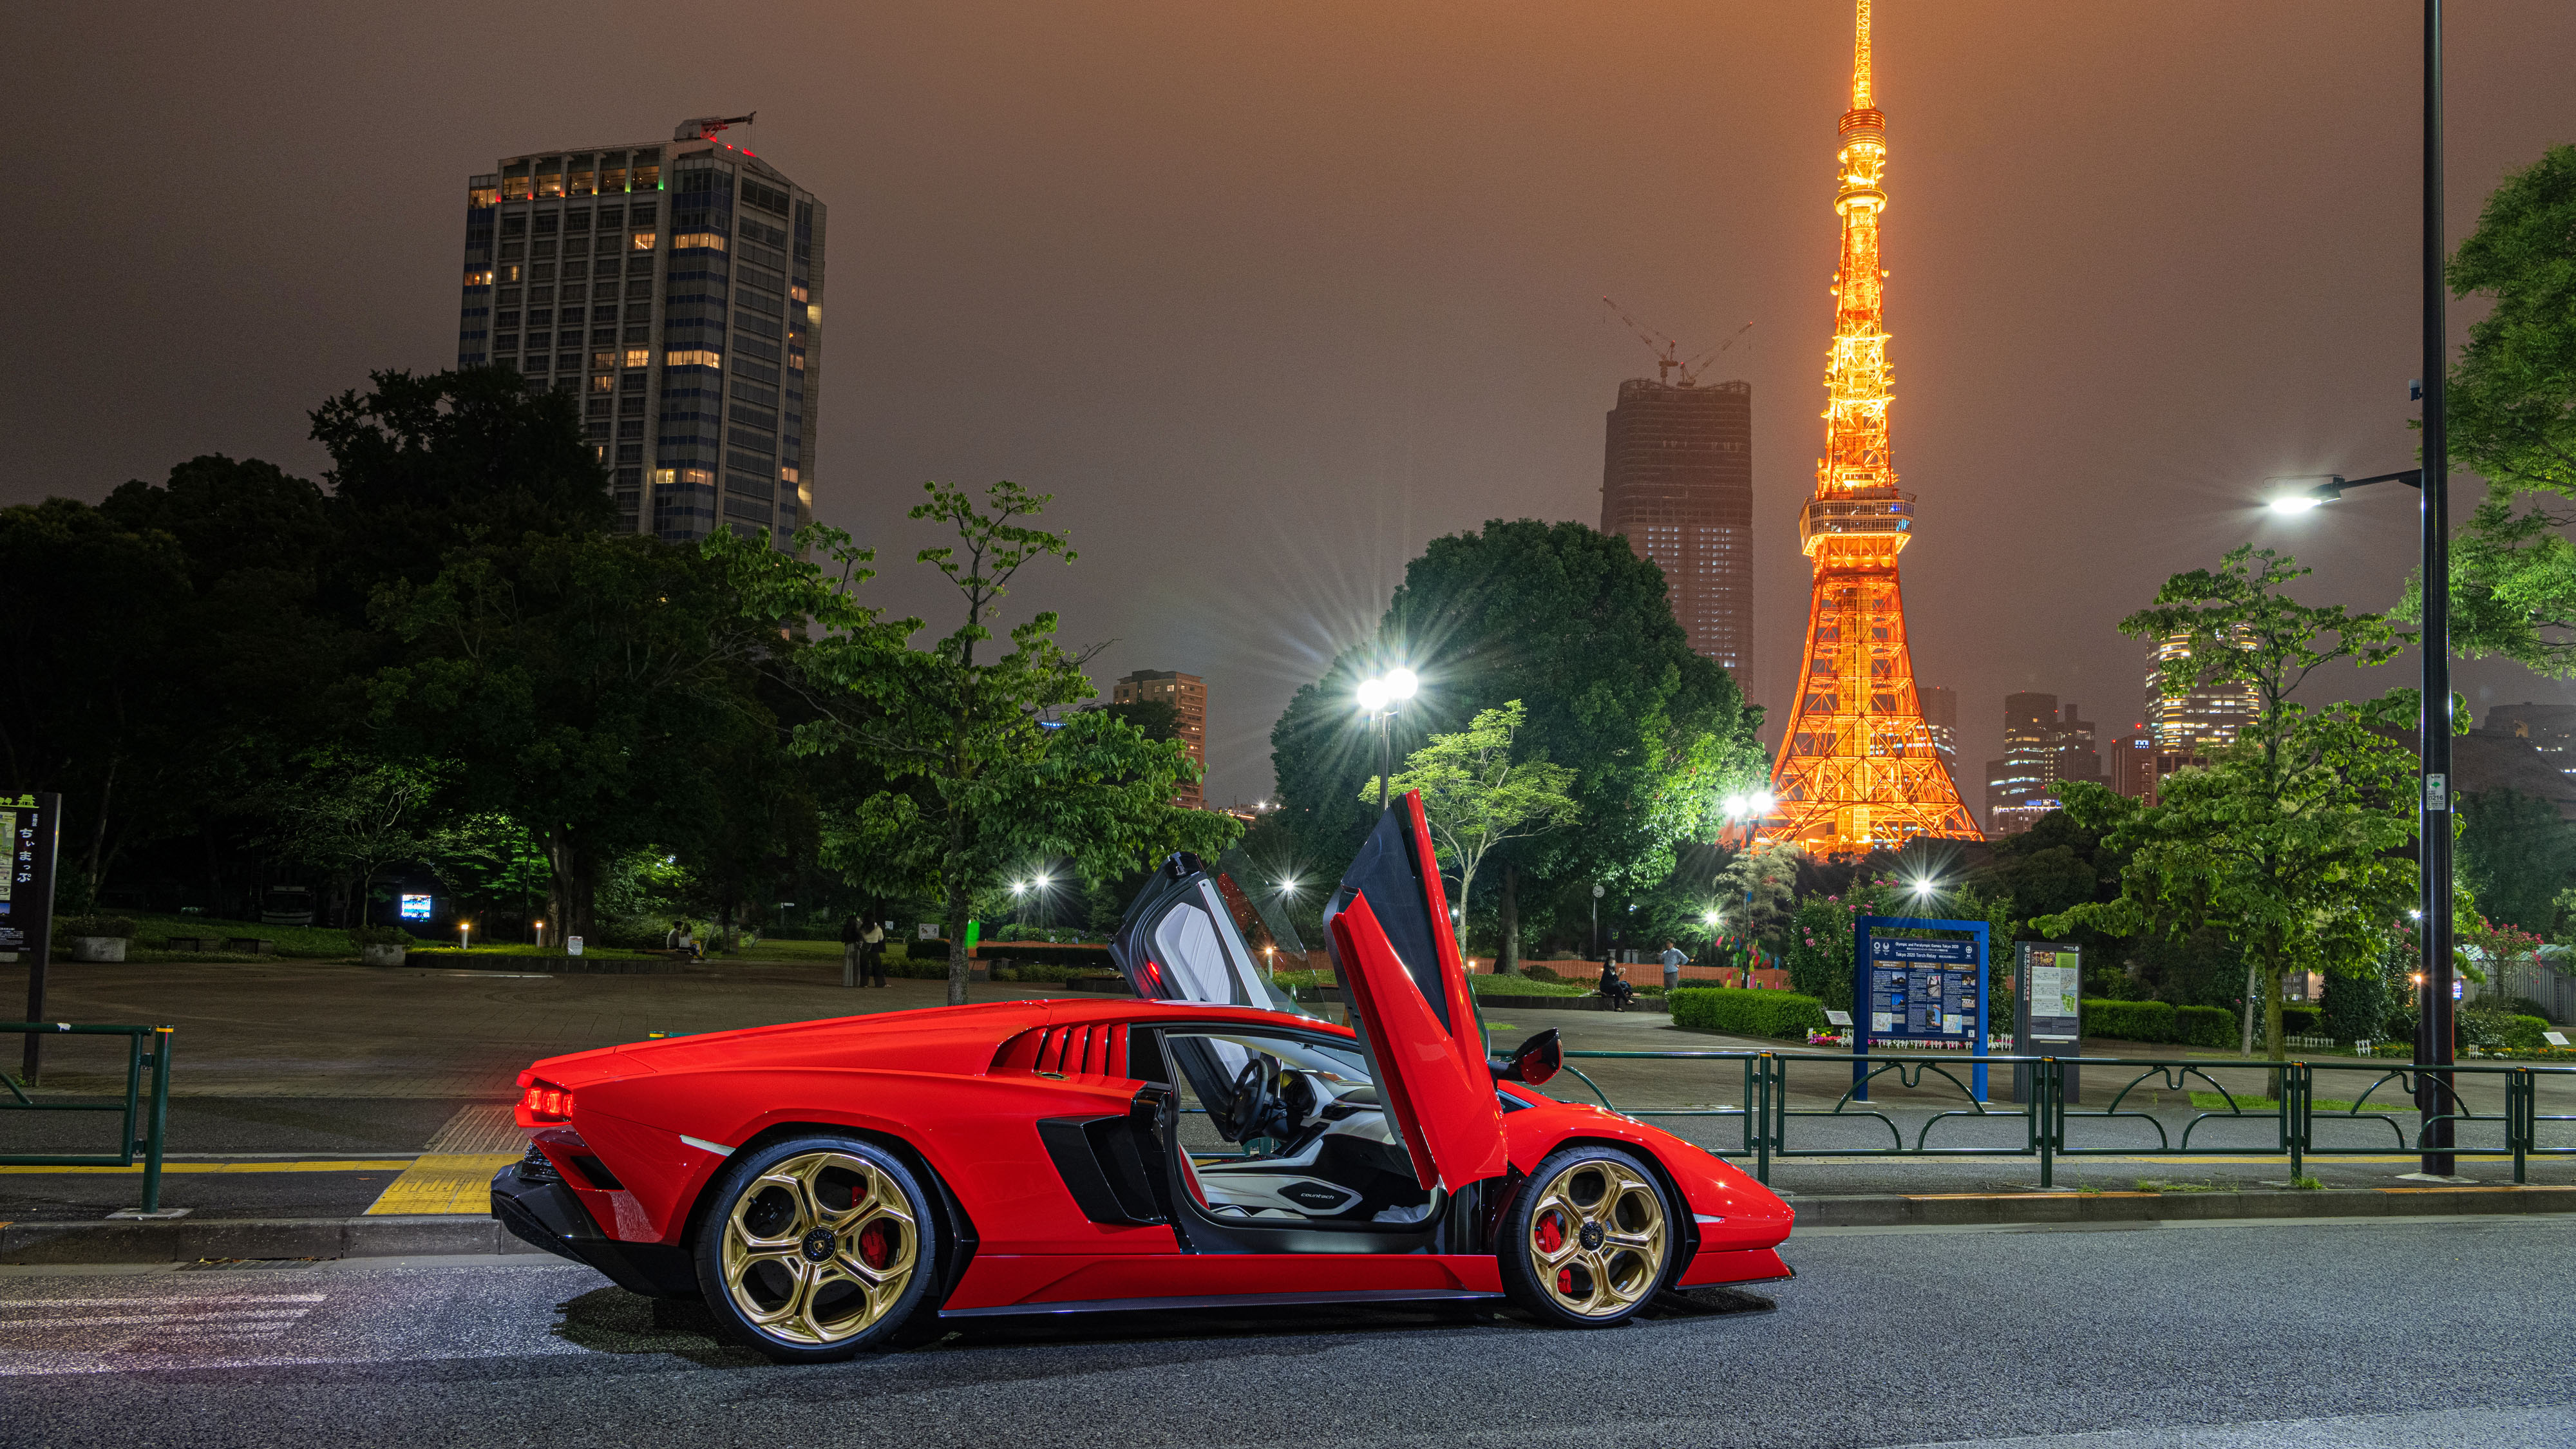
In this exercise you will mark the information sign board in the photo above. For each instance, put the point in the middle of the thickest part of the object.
(415, 908)
(1913, 991)
(2050, 982)
(2048, 1012)
(32, 825)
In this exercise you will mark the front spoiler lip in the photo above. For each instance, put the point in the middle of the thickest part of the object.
(548, 1215)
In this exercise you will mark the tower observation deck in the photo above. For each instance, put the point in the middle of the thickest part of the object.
(1857, 768)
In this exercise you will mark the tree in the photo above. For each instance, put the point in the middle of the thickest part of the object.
(2511, 416)
(1573, 623)
(1759, 887)
(421, 466)
(2515, 855)
(1476, 797)
(964, 736)
(597, 689)
(354, 816)
(2286, 840)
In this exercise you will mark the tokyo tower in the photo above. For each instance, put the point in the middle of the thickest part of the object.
(1857, 768)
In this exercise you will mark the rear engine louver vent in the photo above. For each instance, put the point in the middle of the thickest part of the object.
(1091, 1050)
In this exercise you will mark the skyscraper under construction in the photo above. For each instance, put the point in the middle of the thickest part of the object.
(1858, 769)
(1677, 482)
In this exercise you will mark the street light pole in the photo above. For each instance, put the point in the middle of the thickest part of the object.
(2434, 1040)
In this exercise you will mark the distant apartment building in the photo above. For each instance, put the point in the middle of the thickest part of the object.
(1677, 483)
(2200, 721)
(1187, 695)
(2551, 728)
(676, 290)
(2045, 748)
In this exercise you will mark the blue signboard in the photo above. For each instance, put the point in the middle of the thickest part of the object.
(1909, 992)
(415, 908)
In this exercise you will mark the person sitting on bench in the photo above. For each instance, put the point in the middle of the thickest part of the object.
(1614, 985)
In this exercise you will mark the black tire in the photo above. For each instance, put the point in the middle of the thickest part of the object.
(1589, 1238)
(818, 1248)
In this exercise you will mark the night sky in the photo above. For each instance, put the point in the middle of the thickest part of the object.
(1269, 296)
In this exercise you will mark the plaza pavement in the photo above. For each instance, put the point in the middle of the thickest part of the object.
(314, 1089)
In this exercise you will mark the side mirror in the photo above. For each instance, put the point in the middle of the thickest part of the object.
(1532, 1062)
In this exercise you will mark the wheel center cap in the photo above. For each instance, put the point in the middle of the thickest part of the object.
(816, 1245)
(1591, 1236)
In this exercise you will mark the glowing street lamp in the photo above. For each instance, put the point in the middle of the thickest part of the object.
(1380, 698)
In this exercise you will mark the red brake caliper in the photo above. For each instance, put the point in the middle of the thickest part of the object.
(1551, 1236)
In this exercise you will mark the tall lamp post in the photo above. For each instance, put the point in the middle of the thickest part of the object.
(1380, 699)
(2433, 1025)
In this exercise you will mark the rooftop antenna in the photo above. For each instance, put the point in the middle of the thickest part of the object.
(704, 128)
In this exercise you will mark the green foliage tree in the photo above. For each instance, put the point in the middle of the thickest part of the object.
(2515, 856)
(1757, 889)
(1577, 626)
(1477, 798)
(961, 733)
(2286, 840)
(421, 466)
(598, 689)
(2511, 417)
(353, 815)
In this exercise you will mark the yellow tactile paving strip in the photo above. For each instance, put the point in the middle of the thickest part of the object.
(453, 1177)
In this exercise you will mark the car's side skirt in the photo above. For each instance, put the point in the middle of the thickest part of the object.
(1226, 1300)
(1035, 1280)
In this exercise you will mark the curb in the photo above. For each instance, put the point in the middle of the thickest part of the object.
(396, 1237)
(1884, 1210)
(186, 1242)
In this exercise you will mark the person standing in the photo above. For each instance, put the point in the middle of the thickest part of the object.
(1672, 959)
(852, 958)
(872, 952)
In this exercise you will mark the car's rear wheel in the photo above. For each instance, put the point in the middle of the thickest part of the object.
(1589, 1238)
(817, 1248)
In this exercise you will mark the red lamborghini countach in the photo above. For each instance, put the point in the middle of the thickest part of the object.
(837, 1185)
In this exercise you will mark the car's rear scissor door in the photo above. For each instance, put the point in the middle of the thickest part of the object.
(1397, 958)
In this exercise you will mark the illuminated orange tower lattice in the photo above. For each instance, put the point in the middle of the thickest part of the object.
(1857, 768)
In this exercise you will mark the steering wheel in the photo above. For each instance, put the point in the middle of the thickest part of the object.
(1255, 1100)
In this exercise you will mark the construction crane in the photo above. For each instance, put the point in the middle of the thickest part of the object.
(704, 128)
(1690, 369)
(1668, 353)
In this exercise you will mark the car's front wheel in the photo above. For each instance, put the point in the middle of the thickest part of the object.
(816, 1248)
(1588, 1239)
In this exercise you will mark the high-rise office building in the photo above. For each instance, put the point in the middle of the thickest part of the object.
(676, 288)
(2045, 748)
(2194, 724)
(1677, 482)
(1187, 695)
(1941, 714)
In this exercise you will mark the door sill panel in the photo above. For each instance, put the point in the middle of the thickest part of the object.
(1224, 1300)
(1040, 1281)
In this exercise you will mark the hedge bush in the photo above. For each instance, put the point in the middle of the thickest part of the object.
(1781, 1014)
(2206, 1026)
(71, 926)
(2130, 1020)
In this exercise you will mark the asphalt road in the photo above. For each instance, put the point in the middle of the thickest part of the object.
(2427, 1332)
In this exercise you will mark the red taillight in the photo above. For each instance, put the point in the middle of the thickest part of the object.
(548, 1103)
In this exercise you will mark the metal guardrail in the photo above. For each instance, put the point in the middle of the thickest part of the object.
(154, 1112)
(2424, 1093)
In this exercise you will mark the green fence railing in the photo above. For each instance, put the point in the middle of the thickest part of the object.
(2410, 1097)
(145, 1047)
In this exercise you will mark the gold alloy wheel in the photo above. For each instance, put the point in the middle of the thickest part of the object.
(1596, 1240)
(818, 1248)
